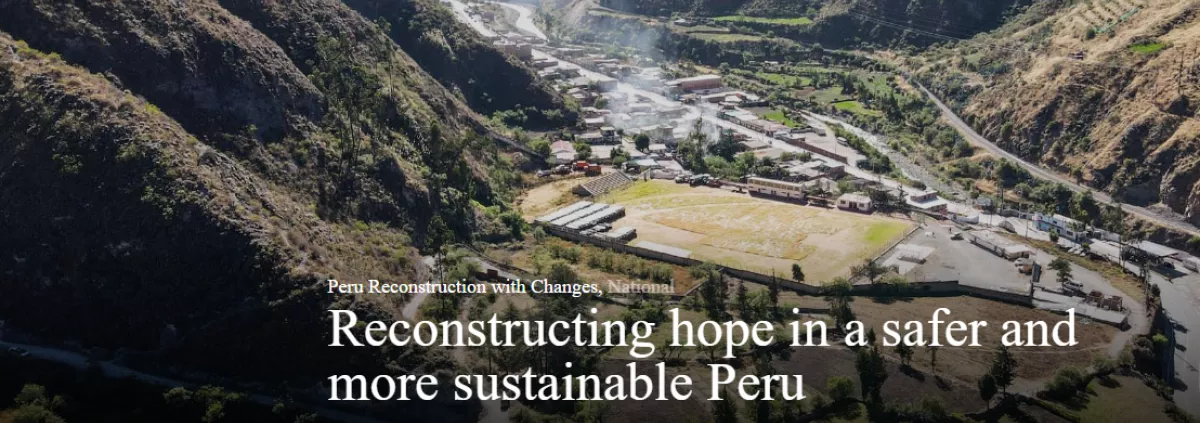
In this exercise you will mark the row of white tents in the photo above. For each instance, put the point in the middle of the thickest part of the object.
(583, 215)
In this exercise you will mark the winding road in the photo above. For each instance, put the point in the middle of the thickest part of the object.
(979, 141)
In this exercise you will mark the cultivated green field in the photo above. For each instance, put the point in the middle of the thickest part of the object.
(778, 21)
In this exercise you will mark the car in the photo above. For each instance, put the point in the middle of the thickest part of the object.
(543, 173)
(1072, 287)
(683, 179)
(18, 351)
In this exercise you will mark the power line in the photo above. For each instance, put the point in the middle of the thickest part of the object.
(968, 30)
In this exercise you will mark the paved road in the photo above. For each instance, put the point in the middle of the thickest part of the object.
(1179, 299)
(979, 141)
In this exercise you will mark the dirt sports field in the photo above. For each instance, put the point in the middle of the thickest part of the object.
(757, 234)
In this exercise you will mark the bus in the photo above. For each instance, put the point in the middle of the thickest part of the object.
(776, 188)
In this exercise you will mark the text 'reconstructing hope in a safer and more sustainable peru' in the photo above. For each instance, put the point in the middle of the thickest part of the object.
(645, 377)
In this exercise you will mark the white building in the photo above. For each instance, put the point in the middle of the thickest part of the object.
(854, 202)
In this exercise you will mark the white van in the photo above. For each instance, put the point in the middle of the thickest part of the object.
(1072, 287)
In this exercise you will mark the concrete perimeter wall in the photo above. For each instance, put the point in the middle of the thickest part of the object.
(913, 289)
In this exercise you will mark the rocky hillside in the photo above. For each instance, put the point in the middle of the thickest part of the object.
(179, 178)
(841, 23)
(1105, 91)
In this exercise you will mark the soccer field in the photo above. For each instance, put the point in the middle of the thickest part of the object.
(752, 233)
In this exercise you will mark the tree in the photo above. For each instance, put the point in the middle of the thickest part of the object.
(1004, 369)
(1066, 383)
(837, 294)
(1063, 267)
(872, 372)
(773, 297)
(33, 406)
(869, 269)
(905, 352)
(641, 142)
(725, 411)
(1103, 366)
(583, 151)
(726, 147)
(541, 147)
(933, 358)
(354, 94)
(987, 389)
(1085, 208)
(743, 304)
(713, 290)
(840, 388)
(797, 272)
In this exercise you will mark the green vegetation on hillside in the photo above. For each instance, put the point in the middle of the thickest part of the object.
(780, 21)
(1147, 47)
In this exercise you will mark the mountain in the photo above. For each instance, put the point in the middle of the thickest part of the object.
(179, 179)
(842, 23)
(1103, 91)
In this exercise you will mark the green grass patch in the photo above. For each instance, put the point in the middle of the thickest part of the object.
(725, 38)
(701, 29)
(784, 80)
(1147, 48)
(777, 21)
(1123, 399)
(779, 117)
(880, 234)
(643, 189)
(854, 107)
(826, 96)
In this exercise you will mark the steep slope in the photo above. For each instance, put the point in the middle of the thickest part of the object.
(179, 179)
(844, 23)
(1112, 101)
(179, 58)
(464, 62)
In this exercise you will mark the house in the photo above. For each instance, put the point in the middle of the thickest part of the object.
(523, 51)
(563, 152)
(754, 144)
(1065, 227)
(697, 83)
(642, 164)
(602, 154)
(608, 134)
(591, 137)
(593, 122)
(999, 245)
(605, 83)
(928, 201)
(816, 169)
(1146, 251)
(854, 202)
